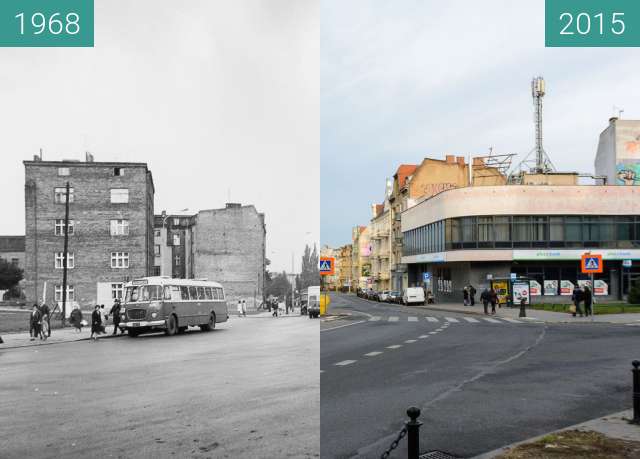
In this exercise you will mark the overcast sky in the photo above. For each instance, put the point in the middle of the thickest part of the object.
(217, 97)
(407, 79)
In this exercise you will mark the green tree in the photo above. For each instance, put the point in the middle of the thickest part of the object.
(10, 275)
(634, 293)
(279, 286)
(310, 274)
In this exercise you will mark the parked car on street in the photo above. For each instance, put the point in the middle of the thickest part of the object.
(384, 295)
(413, 295)
(313, 301)
(394, 297)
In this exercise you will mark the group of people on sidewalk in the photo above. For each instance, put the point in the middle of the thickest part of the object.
(582, 295)
(40, 321)
(242, 308)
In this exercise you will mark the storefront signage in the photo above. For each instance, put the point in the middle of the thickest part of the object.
(601, 288)
(551, 287)
(627, 263)
(566, 287)
(576, 254)
(520, 292)
(591, 263)
(502, 290)
(430, 257)
(535, 289)
(582, 283)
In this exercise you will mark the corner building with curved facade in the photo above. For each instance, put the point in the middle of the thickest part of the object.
(468, 235)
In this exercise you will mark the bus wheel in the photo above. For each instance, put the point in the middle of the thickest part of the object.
(172, 326)
(211, 325)
(133, 333)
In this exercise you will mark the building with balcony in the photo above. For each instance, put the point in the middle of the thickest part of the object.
(381, 246)
(360, 257)
(344, 267)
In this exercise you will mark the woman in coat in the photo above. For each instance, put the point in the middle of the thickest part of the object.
(76, 319)
(96, 322)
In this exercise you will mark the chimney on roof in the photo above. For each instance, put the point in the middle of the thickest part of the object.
(233, 205)
(450, 159)
(88, 157)
(460, 160)
(613, 119)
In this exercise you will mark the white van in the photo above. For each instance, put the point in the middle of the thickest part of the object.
(413, 295)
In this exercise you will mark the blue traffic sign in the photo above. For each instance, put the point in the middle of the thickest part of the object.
(426, 277)
(327, 266)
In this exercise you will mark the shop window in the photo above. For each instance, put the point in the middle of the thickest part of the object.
(556, 229)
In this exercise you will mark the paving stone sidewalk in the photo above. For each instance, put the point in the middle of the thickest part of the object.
(59, 335)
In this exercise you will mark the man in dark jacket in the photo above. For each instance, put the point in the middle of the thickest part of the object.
(493, 299)
(96, 322)
(34, 322)
(115, 314)
(472, 295)
(485, 298)
(577, 297)
(46, 316)
(588, 301)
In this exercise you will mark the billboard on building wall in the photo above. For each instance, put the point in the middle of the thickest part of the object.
(600, 287)
(566, 287)
(627, 154)
(535, 289)
(551, 287)
(520, 292)
(502, 290)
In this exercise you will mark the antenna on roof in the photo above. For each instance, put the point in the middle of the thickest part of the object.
(619, 110)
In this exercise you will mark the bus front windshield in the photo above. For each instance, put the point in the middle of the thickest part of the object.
(137, 293)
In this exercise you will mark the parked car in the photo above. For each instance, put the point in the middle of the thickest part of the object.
(383, 295)
(394, 297)
(370, 294)
(413, 295)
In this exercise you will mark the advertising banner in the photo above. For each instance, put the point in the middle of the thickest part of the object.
(502, 290)
(582, 283)
(520, 292)
(600, 288)
(551, 287)
(535, 289)
(566, 287)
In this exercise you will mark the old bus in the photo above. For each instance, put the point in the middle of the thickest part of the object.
(172, 305)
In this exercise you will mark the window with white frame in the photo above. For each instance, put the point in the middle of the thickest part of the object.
(117, 291)
(119, 260)
(119, 227)
(71, 296)
(60, 195)
(157, 250)
(59, 256)
(176, 222)
(118, 171)
(63, 171)
(176, 238)
(59, 227)
(119, 195)
(158, 233)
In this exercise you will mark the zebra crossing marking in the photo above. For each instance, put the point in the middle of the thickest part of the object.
(432, 319)
(471, 320)
(344, 363)
(409, 341)
(393, 319)
(493, 321)
(451, 319)
(374, 318)
(373, 354)
(394, 346)
(513, 321)
(412, 319)
(426, 336)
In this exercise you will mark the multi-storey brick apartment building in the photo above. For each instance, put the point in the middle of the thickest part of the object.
(110, 228)
(225, 245)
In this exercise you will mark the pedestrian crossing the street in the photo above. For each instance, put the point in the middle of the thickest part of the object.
(445, 321)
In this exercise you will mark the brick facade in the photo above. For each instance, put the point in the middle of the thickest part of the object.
(92, 242)
(229, 247)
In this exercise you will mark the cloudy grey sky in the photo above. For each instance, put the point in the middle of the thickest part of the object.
(407, 79)
(215, 96)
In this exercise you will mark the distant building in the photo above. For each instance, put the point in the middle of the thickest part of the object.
(110, 228)
(330, 282)
(173, 245)
(381, 246)
(360, 257)
(12, 250)
(618, 155)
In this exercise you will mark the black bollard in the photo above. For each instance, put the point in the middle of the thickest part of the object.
(523, 312)
(636, 392)
(413, 433)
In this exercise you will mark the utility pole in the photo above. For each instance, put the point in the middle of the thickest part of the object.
(65, 256)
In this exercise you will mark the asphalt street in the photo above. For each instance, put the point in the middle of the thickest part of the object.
(250, 388)
(480, 384)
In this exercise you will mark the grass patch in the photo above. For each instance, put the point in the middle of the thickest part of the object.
(575, 444)
(599, 308)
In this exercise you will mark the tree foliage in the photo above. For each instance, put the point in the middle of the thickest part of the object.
(10, 275)
(278, 286)
(310, 274)
(634, 293)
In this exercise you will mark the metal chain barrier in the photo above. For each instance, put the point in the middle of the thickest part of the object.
(395, 443)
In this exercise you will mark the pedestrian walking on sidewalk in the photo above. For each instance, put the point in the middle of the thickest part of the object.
(577, 297)
(46, 318)
(472, 295)
(275, 308)
(76, 319)
(244, 308)
(239, 308)
(115, 314)
(465, 296)
(588, 301)
(34, 323)
(96, 322)
(493, 299)
(485, 298)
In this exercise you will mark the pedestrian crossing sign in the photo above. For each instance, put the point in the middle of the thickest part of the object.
(327, 266)
(591, 264)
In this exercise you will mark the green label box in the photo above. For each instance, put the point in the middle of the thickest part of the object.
(46, 23)
(592, 23)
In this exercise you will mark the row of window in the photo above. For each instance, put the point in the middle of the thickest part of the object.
(116, 227)
(117, 292)
(119, 260)
(173, 293)
(524, 231)
(65, 171)
(14, 261)
(118, 195)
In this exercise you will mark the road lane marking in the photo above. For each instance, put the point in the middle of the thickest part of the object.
(373, 354)
(409, 341)
(374, 318)
(344, 362)
(433, 332)
(513, 321)
(393, 319)
(412, 319)
(394, 346)
(432, 319)
(342, 326)
(423, 336)
(471, 320)
(451, 319)
(493, 321)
